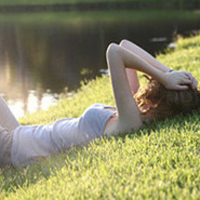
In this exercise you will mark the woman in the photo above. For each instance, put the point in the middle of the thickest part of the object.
(21, 145)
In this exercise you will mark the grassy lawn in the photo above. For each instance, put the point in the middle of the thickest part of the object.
(161, 161)
(50, 2)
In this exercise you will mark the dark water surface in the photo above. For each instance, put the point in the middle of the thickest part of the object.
(42, 53)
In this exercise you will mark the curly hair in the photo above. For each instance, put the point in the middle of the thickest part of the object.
(162, 103)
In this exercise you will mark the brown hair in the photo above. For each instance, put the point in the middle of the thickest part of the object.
(162, 103)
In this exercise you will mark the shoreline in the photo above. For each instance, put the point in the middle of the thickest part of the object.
(98, 6)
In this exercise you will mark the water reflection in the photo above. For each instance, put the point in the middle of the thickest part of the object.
(38, 60)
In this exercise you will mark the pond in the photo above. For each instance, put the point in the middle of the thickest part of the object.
(42, 54)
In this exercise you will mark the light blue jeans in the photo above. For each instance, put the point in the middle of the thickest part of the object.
(5, 146)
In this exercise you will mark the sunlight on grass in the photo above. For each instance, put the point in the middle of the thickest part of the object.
(161, 161)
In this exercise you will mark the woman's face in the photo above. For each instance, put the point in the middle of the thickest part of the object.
(148, 116)
(146, 112)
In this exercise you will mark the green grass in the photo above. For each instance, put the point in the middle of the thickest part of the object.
(50, 2)
(161, 161)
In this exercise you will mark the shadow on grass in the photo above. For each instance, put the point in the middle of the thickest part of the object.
(179, 122)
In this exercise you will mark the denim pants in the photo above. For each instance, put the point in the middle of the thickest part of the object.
(5, 146)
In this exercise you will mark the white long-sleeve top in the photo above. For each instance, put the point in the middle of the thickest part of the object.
(22, 145)
(39, 141)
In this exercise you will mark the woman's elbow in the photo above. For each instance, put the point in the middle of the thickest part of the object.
(112, 48)
(124, 43)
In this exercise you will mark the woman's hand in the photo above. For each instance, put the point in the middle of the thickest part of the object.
(179, 80)
(194, 81)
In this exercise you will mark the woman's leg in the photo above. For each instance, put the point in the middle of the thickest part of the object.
(7, 119)
(5, 145)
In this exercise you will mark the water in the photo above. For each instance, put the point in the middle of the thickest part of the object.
(41, 54)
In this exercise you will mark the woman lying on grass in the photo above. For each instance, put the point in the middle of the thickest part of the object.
(167, 94)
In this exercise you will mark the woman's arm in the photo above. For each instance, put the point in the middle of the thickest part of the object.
(144, 55)
(131, 73)
(118, 59)
(128, 112)
(133, 80)
(133, 48)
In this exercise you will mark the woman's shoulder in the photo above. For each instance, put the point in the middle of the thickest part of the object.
(99, 105)
(99, 108)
